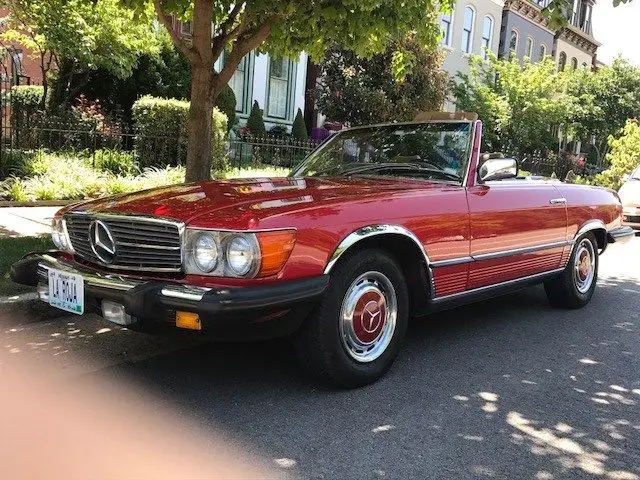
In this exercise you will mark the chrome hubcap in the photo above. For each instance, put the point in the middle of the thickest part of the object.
(368, 316)
(584, 266)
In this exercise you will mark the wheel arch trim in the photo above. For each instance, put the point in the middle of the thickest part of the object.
(589, 226)
(370, 231)
(592, 226)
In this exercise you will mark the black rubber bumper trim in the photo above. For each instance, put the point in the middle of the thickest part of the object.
(244, 299)
(147, 300)
(621, 234)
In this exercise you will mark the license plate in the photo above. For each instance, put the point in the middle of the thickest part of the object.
(66, 291)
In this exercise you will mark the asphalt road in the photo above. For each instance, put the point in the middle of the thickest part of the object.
(507, 388)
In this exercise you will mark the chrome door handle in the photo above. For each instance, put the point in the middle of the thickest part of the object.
(555, 201)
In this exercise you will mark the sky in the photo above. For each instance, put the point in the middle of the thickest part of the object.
(618, 29)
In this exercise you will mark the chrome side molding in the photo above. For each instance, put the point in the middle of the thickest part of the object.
(501, 254)
(371, 231)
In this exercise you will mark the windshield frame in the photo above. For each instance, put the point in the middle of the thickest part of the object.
(296, 172)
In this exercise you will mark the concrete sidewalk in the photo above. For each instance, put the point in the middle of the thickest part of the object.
(26, 221)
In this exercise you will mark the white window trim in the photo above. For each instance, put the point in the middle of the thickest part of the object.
(451, 29)
(189, 31)
(565, 60)
(528, 52)
(543, 49)
(291, 91)
(515, 49)
(473, 24)
(493, 24)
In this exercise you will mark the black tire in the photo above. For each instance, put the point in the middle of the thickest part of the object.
(566, 290)
(322, 344)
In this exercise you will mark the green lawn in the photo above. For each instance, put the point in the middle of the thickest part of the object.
(12, 249)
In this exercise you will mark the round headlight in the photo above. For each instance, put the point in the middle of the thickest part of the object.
(205, 252)
(240, 255)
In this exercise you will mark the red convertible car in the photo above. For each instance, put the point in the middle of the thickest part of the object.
(377, 225)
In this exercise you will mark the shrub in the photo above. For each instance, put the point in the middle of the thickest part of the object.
(278, 131)
(161, 126)
(226, 103)
(69, 176)
(116, 162)
(299, 129)
(623, 157)
(25, 97)
(13, 188)
(12, 161)
(25, 104)
(255, 122)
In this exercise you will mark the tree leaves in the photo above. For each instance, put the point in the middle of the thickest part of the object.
(100, 34)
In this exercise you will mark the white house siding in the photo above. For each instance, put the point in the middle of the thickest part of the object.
(456, 60)
(256, 82)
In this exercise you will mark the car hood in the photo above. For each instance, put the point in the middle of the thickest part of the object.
(630, 193)
(246, 202)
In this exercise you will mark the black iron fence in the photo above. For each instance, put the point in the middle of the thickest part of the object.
(248, 151)
(241, 152)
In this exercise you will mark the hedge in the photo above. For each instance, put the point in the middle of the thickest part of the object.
(25, 104)
(226, 103)
(161, 126)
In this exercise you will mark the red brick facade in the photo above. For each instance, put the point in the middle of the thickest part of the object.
(26, 64)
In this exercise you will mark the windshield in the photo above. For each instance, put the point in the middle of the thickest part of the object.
(434, 150)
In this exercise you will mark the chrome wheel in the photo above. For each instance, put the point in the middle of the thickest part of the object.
(584, 266)
(368, 316)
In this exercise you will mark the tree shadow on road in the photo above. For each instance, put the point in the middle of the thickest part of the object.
(504, 388)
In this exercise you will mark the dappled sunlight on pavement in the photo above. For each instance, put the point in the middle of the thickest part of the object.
(506, 388)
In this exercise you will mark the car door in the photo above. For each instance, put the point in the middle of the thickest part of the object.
(518, 229)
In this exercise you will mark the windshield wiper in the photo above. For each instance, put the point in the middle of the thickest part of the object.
(403, 167)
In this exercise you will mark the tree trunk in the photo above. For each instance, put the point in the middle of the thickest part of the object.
(200, 113)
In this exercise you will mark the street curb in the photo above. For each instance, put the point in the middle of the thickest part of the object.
(38, 203)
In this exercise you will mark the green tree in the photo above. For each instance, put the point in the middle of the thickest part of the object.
(519, 103)
(623, 157)
(281, 28)
(255, 122)
(299, 128)
(359, 91)
(605, 100)
(79, 36)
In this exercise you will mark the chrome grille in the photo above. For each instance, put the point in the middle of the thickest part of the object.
(141, 243)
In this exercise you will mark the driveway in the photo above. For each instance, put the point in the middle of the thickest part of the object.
(507, 388)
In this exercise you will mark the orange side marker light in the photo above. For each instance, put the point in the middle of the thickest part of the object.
(188, 320)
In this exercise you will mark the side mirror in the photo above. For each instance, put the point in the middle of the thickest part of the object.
(498, 169)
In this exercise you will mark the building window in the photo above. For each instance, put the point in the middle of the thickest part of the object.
(240, 83)
(574, 63)
(543, 51)
(587, 19)
(487, 35)
(186, 27)
(445, 26)
(279, 87)
(513, 41)
(529, 50)
(467, 29)
(562, 61)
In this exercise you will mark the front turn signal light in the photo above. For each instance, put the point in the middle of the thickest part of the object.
(188, 320)
(275, 248)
